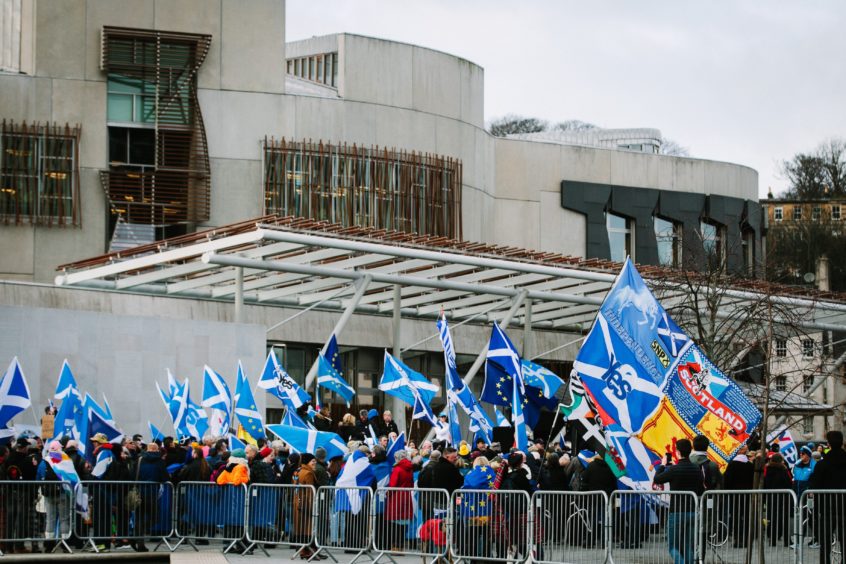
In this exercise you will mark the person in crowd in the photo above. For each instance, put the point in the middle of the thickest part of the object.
(348, 430)
(398, 504)
(442, 436)
(215, 453)
(323, 419)
(830, 474)
(289, 474)
(685, 476)
(598, 476)
(48, 422)
(105, 469)
(515, 509)
(20, 502)
(57, 498)
(374, 428)
(261, 472)
(197, 469)
(303, 500)
(474, 513)
(699, 456)
(388, 424)
(151, 468)
(445, 473)
(552, 475)
(236, 473)
(777, 477)
(740, 475)
(321, 468)
(383, 442)
(802, 471)
(362, 424)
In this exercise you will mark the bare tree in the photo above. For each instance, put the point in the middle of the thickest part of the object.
(819, 174)
(672, 148)
(510, 124)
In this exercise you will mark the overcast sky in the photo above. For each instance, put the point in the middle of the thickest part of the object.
(746, 82)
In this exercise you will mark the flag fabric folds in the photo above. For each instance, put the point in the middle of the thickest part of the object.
(330, 378)
(454, 427)
(155, 434)
(502, 365)
(306, 440)
(423, 412)
(355, 473)
(275, 381)
(63, 467)
(14, 393)
(501, 420)
(520, 434)
(246, 408)
(542, 378)
(400, 381)
(649, 383)
(66, 384)
(292, 419)
(218, 398)
(98, 424)
(236, 443)
(395, 446)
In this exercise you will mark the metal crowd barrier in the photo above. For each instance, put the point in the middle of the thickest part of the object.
(116, 511)
(492, 525)
(36, 511)
(657, 526)
(347, 527)
(747, 526)
(410, 522)
(569, 527)
(821, 520)
(207, 511)
(280, 515)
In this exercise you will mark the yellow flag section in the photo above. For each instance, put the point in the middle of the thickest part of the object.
(245, 436)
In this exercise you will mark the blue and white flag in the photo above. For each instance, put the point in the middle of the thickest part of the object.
(67, 417)
(502, 366)
(155, 434)
(196, 420)
(293, 420)
(355, 473)
(462, 395)
(107, 409)
(165, 397)
(216, 394)
(402, 382)
(520, 433)
(66, 384)
(274, 380)
(14, 393)
(501, 420)
(178, 408)
(307, 440)
(423, 412)
(454, 426)
(395, 446)
(98, 424)
(537, 376)
(235, 443)
(247, 410)
(328, 377)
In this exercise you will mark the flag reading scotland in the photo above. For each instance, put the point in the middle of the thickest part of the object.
(650, 384)
(274, 380)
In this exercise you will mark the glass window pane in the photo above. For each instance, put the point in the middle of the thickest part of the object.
(119, 107)
(617, 222)
(617, 242)
(117, 145)
(142, 146)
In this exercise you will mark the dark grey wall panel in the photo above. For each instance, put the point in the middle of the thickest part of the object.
(640, 205)
(729, 212)
(591, 200)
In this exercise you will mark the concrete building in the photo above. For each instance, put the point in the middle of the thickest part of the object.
(127, 122)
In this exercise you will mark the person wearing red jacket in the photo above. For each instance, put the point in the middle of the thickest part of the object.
(399, 509)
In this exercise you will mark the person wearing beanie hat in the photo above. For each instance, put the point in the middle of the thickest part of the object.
(261, 471)
(237, 470)
(321, 469)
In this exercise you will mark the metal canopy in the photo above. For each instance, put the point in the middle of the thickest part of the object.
(284, 261)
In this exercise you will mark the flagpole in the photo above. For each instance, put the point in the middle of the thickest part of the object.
(552, 429)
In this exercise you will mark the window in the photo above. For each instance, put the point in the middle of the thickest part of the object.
(748, 247)
(713, 238)
(797, 212)
(835, 212)
(374, 187)
(807, 382)
(669, 238)
(39, 174)
(322, 68)
(781, 383)
(620, 237)
(808, 425)
(816, 212)
(781, 347)
(807, 348)
(778, 213)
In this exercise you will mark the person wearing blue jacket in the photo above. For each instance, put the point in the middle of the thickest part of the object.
(802, 471)
(151, 468)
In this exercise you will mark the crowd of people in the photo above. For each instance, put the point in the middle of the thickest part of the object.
(498, 526)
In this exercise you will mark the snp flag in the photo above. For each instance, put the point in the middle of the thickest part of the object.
(274, 380)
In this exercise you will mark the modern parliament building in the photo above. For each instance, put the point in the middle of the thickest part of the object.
(180, 186)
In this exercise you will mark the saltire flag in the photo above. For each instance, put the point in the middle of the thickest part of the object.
(218, 398)
(356, 473)
(165, 397)
(275, 381)
(650, 384)
(67, 417)
(247, 410)
(66, 384)
(196, 421)
(14, 393)
(454, 427)
(155, 434)
(235, 443)
(178, 408)
(502, 365)
(83, 422)
(542, 378)
(330, 378)
(479, 420)
(293, 420)
(520, 434)
(501, 420)
(395, 446)
(99, 424)
(107, 409)
(307, 440)
(423, 412)
(402, 382)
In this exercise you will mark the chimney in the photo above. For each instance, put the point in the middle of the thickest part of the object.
(823, 280)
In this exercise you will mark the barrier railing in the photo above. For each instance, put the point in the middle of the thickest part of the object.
(492, 525)
(206, 511)
(652, 526)
(341, 522)
(821, 524)
(569, 527)
(747, 525)
(36, 512)
(280, 515)
(410, 522)
(117, 511)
